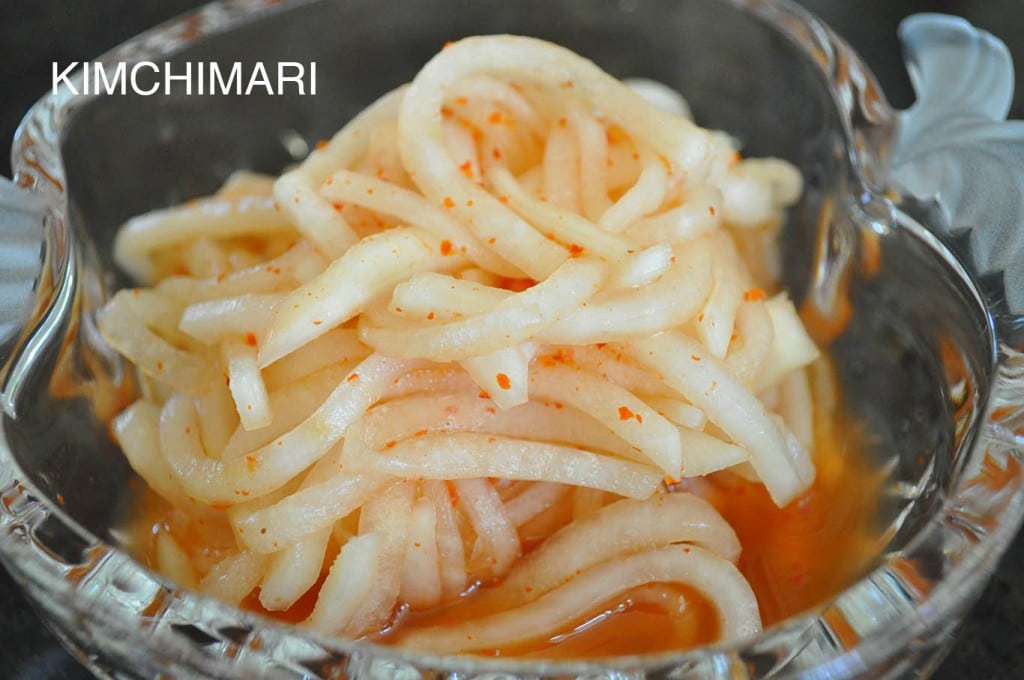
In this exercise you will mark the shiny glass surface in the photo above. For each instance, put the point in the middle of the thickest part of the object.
(922, 361)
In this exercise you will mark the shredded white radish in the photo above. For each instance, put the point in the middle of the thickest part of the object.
(348, 583)
(712, 576)
(234, 577)
(621, 528)
(293, 570)
(469, 346)
(369, 268)
(220, 218)
(421, 577)
(467, 455)
(708, 384)
(246, 384)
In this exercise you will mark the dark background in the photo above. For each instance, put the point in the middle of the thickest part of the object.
(35, 34)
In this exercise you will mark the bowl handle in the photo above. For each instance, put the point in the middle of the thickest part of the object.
(22, 252)
(957, 157)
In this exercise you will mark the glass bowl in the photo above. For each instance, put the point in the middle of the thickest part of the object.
(904, 244)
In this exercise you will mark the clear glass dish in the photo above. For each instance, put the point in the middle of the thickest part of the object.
(905, 237)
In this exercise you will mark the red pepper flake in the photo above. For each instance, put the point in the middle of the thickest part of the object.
(754, 295)
(503, 199)
(495, 118)
(220, 505)
(453, 491)
(492, 241)
(711, 209)
(60, 498)
(370, 191)
(317, 322)
(547, 361)
(417, 544)
(695, 357)
(430, 316)
(639, 418)
(483, 394)
(446, 112)
(159, 365)
(686, 550)
(670, 480)
(615, 134)
(491, 410)
(352, 378)
(496, 152)
(469, 203)
(446, 247)
(461, 101)
(419, 433)
(565, 355)
(575, 250)
(503, 381)
(625, 413)
(321, 144)
(250, 339)
(558, 404)
(467, 169)
(700, 317)
(252, 462)
(448, 202)
(601, 345)
(390, 444)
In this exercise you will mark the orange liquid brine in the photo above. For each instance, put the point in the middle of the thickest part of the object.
(794, 557)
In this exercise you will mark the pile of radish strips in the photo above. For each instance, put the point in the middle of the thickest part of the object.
(514, 296)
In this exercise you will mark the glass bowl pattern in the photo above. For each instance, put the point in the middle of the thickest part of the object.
(907, 237)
